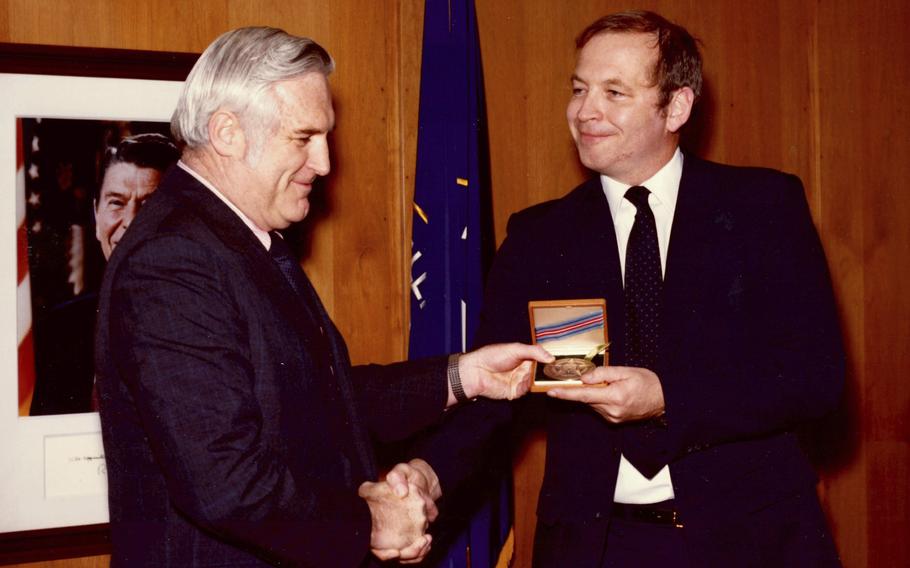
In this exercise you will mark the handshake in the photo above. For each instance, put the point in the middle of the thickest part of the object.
(403, 506)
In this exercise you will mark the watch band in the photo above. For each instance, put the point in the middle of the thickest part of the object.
(455, 378)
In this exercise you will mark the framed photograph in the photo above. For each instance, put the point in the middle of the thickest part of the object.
(64, 115)
(575, 332)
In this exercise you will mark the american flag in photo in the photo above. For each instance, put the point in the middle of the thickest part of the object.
(23, 288)
(569, 327)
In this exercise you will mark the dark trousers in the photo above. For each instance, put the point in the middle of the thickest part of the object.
(632, 544)
(617, 544)
(788, 533)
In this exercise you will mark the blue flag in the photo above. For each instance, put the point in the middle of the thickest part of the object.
(449, 240)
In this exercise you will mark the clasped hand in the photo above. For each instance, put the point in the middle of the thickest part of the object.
(618, 394)
(402, 507)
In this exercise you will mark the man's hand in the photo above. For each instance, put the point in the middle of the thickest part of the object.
(410, 555)
(416, 476)
(501, 371)
(619, 394)
(399, 523)
(417, 473)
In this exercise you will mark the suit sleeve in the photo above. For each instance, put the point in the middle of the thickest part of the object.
(181, 343)
(790, 365)
(400, 399)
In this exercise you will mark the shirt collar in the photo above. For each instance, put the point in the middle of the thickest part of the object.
(263, 236)
(663, 185)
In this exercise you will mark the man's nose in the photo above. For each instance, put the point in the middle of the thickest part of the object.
(318, 159)
(589, 108)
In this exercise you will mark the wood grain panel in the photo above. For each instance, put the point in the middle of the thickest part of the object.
(872, 118)
(369, 285)
(842, 217)
(410, 59)
(148, 24)
(86, 562)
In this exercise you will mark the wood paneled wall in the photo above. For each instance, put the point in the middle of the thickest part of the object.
(814, 88)
(810, 87)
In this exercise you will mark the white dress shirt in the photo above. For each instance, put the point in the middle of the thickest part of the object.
(631, 485)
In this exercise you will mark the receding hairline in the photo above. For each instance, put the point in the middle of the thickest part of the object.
(652, 66)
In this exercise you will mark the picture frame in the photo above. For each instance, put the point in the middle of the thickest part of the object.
(575, 332)
(54, 504)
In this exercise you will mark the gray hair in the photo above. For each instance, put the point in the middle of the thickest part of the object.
(236, 72)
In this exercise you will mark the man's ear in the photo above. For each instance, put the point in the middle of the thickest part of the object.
(679, 108)
(95, 217)
(226, 134)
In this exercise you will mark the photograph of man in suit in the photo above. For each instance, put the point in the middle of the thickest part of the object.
(724, 333)
(64, 338)
(236, 432)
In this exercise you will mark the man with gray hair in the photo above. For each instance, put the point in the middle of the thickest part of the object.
(236, 431)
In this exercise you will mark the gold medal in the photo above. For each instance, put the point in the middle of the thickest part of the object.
(567, 369)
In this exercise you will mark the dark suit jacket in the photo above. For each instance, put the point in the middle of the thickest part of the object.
(235, 431)
(751, 348)
(64, 362)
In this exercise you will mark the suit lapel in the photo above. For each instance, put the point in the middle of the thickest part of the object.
(688, 239)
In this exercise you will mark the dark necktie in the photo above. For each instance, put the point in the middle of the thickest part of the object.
(287, 262)
(643, 285)
(290, 268)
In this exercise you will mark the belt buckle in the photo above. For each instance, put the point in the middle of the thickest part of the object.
(675, 520)
(664, 517)
(649, 514)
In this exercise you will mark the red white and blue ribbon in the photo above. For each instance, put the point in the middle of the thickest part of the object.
(567, 328)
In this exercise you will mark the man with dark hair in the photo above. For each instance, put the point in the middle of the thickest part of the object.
(64, 367)
(131, 171)
(236, 431)
(724, 333)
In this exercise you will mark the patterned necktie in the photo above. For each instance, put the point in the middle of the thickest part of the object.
(287, 262)
(322, 343)
(643, 285)
(290, 268)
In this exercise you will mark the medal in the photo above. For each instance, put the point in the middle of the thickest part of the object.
(568, 368)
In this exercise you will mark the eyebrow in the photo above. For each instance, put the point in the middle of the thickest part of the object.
(311, 131)
(612, 82)
(114, 193)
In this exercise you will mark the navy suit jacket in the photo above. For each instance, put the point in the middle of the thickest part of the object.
(751, 348)
(236, 432)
